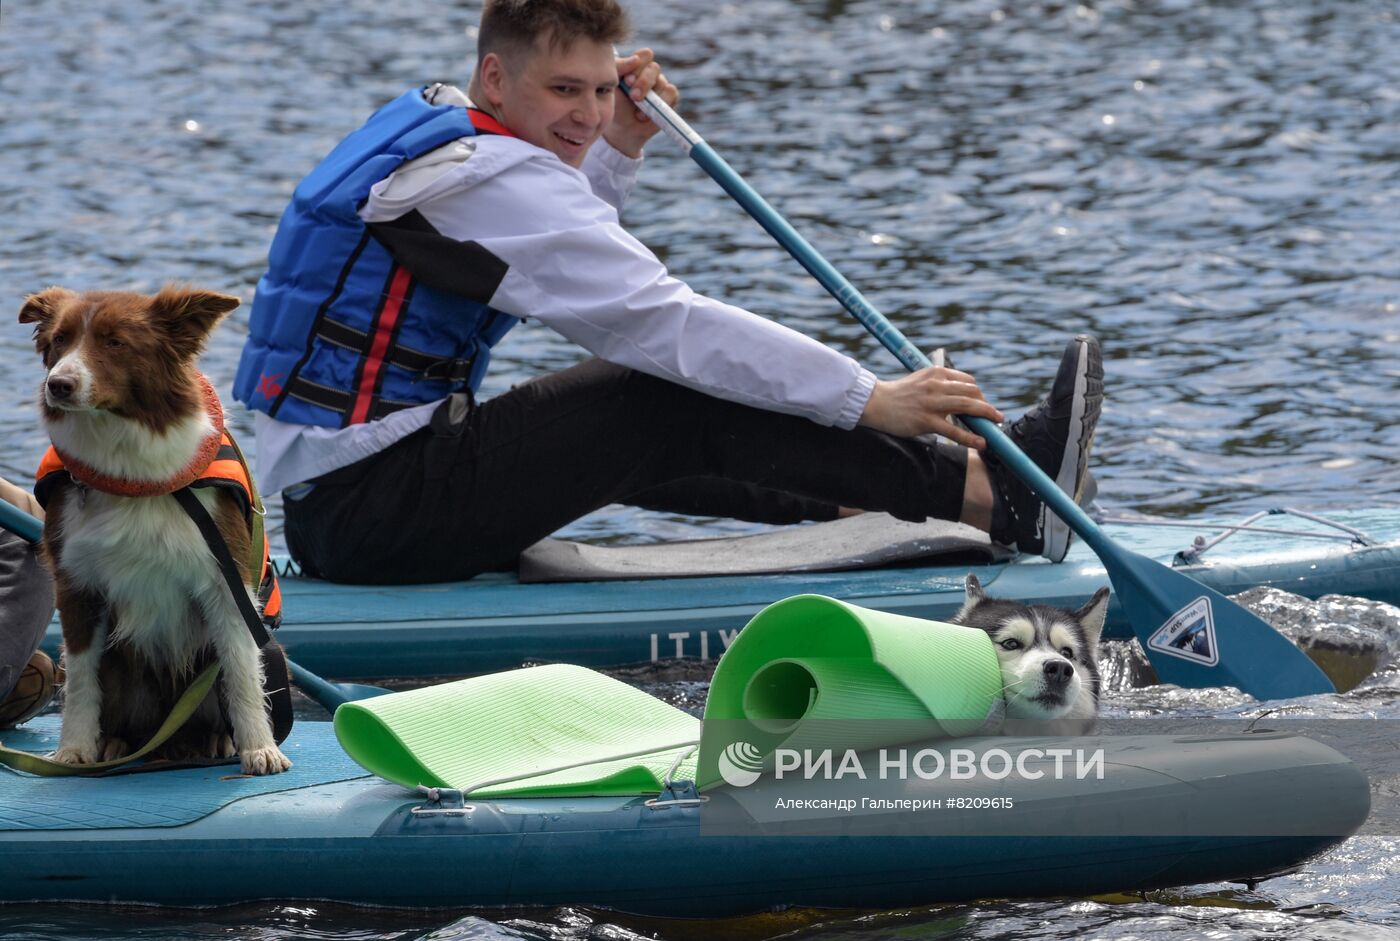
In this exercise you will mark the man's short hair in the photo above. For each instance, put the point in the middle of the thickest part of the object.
(510, 27)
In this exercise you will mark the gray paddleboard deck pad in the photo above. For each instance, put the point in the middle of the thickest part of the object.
(867, 541)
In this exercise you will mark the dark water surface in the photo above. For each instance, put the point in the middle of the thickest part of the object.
(1213, 189)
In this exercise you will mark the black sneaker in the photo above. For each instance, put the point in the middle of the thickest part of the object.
(1057, 435)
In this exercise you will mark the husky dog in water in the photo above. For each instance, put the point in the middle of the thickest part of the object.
(1049, 660)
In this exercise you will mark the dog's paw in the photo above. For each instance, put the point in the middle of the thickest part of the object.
(221, 746)
(268, 760)
(113, 748)
(77, 754)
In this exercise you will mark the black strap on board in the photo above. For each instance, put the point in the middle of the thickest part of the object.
(276, 684)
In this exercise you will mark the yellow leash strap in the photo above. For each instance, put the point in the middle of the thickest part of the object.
(184, 708)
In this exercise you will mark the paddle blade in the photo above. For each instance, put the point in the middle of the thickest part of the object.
(1196, 637)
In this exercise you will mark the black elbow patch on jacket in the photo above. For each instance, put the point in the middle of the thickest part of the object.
(463, 268)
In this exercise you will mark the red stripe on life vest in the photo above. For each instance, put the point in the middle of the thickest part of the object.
(379, 345)
(485, 123)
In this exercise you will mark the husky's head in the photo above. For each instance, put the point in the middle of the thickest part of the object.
(1049, 659)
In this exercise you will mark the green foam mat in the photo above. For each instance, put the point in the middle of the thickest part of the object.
(814, 672)
(807, 672)
(544, 731)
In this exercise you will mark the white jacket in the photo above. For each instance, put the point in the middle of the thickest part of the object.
(572, 267)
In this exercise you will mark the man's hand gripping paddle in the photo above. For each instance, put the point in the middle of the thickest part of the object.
(1194, 636)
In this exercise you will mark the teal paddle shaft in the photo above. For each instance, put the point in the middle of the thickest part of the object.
(327, 694)
(26, 527)
(330, 696)
(913, 359)
(1192, 635)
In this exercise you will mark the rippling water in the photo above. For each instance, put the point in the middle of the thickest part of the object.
(1211, 188)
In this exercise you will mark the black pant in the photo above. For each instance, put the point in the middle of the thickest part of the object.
(453, 500)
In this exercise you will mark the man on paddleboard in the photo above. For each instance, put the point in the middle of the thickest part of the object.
(448, 218)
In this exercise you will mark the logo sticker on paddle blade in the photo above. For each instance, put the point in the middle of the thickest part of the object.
(1189, 634)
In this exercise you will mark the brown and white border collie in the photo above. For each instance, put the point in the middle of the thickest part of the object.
(141, 598)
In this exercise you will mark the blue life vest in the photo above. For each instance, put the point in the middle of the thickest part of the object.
(340, 333)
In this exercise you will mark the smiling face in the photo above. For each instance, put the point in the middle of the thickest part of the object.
(557, 97)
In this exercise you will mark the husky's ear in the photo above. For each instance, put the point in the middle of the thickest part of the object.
(1092, 615)
(187, 315)
(40, 308)
(974, 597)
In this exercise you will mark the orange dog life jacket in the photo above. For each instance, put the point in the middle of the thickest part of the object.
(225, 471)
